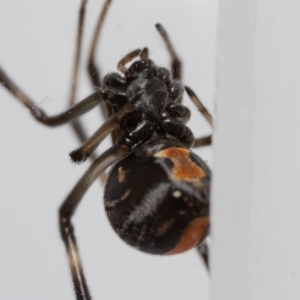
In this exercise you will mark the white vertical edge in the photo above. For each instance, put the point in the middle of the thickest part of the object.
(256, 192)
(233, 150)
(274, 235)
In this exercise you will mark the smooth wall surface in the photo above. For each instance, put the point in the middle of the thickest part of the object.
(256, 206)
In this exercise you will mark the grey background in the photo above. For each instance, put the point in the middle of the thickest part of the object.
(256, 191)
(37, 41)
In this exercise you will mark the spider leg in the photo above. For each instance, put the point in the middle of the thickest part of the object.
(70, 114)
(93, 70)
(144, 54)
(206, 114)
(127, 58)
(68, 208)
(204, 253)
(77, 53)
(77, 125)
(203, 141)
(176, 63)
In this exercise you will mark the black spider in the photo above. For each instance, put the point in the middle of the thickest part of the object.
(157, 193)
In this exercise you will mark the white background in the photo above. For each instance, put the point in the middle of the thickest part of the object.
(37, 41)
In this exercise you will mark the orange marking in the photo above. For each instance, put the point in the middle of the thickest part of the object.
(121, 175)
(191, 236)
(184, 168)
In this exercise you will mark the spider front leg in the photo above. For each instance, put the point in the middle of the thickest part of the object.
(74, 112)
(68, 208)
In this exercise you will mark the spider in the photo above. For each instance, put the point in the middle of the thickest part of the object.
(142, 53)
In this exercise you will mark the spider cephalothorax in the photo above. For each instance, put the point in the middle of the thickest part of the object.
(154, 96)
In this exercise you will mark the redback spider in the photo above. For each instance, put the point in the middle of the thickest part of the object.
(71, 145)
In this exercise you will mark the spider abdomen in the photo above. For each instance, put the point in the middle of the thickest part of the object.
(156, 198)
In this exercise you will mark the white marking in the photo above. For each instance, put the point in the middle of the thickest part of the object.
(148, 206)
(177, 194)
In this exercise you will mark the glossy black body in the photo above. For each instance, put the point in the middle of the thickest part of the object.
(140, 202)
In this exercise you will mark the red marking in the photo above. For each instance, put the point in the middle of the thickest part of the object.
(184, 168)
(191, 236)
